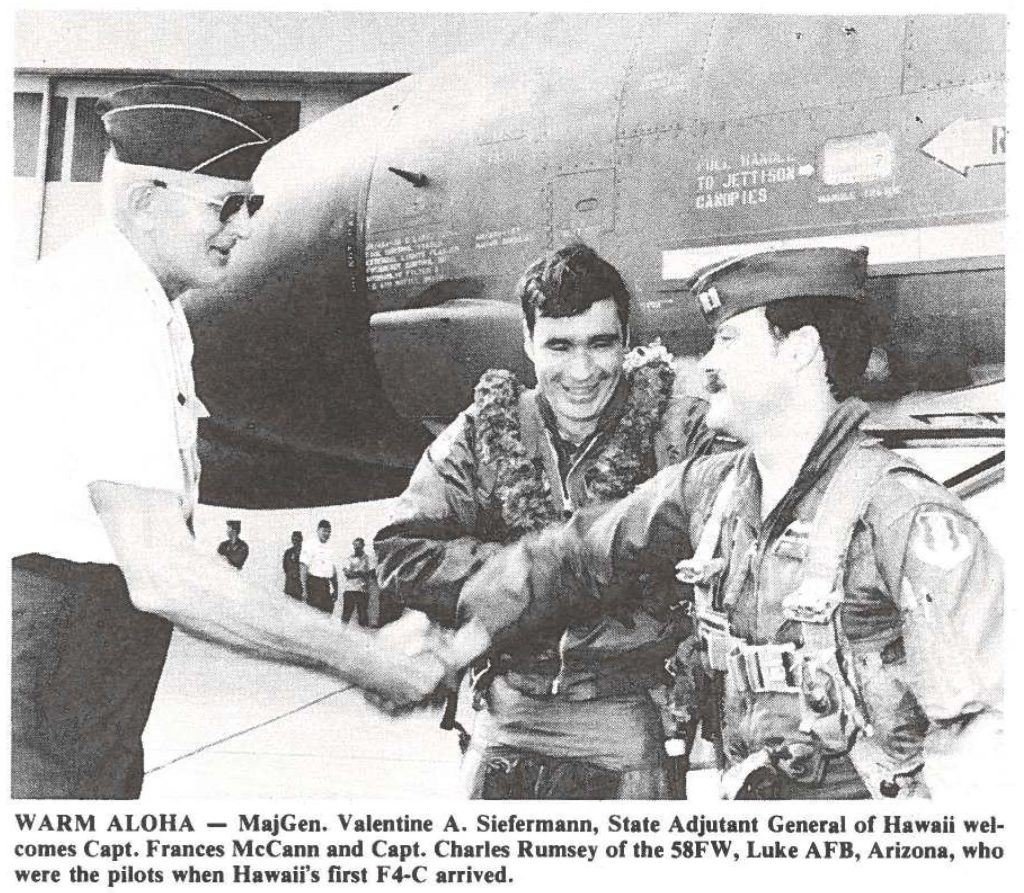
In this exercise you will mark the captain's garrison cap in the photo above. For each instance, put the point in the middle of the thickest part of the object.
(183, 126)
(733, 286)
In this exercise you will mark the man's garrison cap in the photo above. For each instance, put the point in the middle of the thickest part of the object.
(733, 286)
(186, 126)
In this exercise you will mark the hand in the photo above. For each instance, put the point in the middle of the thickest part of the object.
(470, 641)
(408, 664)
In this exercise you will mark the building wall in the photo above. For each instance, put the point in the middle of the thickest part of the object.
(323, 43)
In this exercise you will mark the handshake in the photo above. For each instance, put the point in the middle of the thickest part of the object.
(413, 661)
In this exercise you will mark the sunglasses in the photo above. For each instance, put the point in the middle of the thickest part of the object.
(227, 207)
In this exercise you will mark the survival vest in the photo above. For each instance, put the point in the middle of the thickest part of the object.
(835, 711)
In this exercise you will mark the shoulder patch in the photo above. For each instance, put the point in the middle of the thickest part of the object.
(939, 538)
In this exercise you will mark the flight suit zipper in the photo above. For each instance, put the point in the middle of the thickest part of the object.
(567, 500)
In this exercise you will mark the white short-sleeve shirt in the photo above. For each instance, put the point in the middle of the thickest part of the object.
(318, 557)
(106, 393)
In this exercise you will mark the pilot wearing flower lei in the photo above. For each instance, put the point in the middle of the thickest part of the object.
(566, 713)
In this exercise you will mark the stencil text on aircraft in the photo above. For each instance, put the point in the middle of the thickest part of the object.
(745, 178)
(408, 260)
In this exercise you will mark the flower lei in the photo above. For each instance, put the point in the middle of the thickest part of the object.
(521, 487)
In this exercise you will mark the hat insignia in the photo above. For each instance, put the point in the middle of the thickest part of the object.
(709, 300)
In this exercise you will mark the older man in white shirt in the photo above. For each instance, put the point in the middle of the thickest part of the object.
(108, 472)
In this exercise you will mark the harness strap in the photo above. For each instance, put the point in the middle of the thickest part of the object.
(816, 604)
(703, 566)
(844, 501)
(822, 671)
(701, 572)
(816, 601)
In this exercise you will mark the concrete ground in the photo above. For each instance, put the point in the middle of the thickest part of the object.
(227, 726)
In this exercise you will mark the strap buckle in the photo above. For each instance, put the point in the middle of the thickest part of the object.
(764, 668)
(713, 628)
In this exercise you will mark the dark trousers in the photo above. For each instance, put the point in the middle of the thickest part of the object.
(84, 670)
(318, 594)
(358, 601)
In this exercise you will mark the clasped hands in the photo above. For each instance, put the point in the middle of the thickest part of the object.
(417, 662)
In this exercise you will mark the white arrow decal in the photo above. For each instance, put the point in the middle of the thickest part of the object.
(969, 142)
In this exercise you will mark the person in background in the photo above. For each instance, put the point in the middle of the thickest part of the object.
(357, 573)
(234, 549)
(319, 573)
(291, 564)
